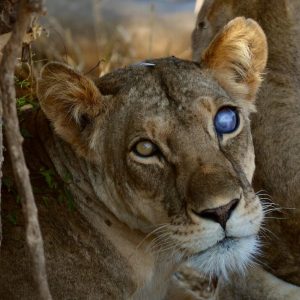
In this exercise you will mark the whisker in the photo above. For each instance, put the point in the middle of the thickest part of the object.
(269, 231)
(161, 227)
(270, 210)
(269, 202)
(258, 261)
(288, 208)
(277, 218)
(160, 238)
(264, 234)
(172, 246)
(162, 242)
(268, 196)
(260, 192)
(159, 244)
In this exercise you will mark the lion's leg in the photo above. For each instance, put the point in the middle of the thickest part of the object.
(257, 285)
(177, 291)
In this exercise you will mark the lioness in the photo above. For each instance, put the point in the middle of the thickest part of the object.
(162, 160)
(276, 130)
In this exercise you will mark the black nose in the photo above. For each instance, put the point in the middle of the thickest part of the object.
(220, 214)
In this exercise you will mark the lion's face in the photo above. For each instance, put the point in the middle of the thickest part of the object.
(167, 162)
(171, 149)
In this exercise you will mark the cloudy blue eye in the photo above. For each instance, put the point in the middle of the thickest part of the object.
(226, 120)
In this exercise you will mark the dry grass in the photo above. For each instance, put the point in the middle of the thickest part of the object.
(118, 43)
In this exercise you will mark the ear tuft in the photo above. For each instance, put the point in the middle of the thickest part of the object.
(237, 57)
(68, 99)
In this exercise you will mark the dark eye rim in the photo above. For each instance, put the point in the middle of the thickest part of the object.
(236, 111)
(202, 24)
(154, 153)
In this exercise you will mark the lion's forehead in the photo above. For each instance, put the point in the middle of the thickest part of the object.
(170, 101)
(167, 82)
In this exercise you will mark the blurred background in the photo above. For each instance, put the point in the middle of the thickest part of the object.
(107, 34)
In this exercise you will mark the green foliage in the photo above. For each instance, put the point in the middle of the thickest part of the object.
(25, 133)
(46, 200)
(70, 199)
(23, 84)
(37, 190)
(18, 199)
(49, 175)
(24, 100)
(61, 197)
(21, 101)
(68, 178)
(12, 218)
(66, 196)
(8, 183)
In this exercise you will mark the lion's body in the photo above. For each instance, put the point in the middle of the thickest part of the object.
(156, 174)
(276, 126)
(85, 259)
(80, 260)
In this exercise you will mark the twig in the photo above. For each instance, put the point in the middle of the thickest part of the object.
(1, 160)
(151, 27)
(97, 24)
(96, 66)
(11, 52)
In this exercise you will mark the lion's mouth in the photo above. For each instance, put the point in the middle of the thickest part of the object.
(227, 242)
(228, 255)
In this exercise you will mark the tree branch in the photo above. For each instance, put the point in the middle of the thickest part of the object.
(11, 52)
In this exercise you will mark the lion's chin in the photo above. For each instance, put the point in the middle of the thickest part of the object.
(227, 256)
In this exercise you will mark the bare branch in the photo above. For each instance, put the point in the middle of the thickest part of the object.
(11, 52)
(1, 160)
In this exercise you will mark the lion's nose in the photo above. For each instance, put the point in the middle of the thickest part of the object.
(220, 214)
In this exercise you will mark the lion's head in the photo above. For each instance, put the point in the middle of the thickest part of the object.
(169, 145)
(214, 14)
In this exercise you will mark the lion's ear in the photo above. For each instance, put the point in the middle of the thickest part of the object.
(237, 57)
(70, 101)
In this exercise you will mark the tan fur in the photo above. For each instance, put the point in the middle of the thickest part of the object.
(234, 66)
(140, 218)
(75, 97)
(260, 284)
(276, 125)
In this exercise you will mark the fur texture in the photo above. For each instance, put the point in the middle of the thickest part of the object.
(147, 213)
(232, 256)
(234, 66)
(275, 127)
(70, 100)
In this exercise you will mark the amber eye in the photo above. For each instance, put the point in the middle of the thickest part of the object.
(145, 148)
